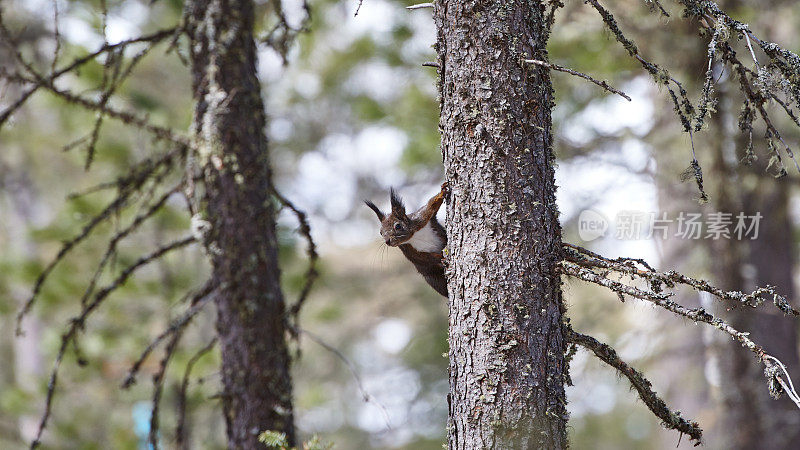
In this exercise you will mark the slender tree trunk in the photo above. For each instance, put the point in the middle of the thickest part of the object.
(506, 339)
(229, 126)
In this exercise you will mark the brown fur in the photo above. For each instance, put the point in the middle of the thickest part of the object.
(398, 227)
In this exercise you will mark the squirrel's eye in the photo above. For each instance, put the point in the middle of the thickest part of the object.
(398, 226)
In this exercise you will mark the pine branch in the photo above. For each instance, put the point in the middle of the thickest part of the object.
(77, 323)
(584, 264)
(644, 388)
(128, 186)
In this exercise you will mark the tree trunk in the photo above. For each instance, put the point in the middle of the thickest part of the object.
(229, 125)
(772, 256)
(506, 339)
(753, 419)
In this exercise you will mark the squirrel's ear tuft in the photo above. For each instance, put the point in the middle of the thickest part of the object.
(375, 208)
(397, 204)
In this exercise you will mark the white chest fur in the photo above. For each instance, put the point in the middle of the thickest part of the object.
(426, 240)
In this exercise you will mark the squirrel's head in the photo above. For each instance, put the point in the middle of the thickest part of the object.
(396, 227)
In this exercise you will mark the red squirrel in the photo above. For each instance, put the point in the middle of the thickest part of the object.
(419, 236)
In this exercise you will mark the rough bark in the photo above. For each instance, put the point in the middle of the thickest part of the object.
(229, 124)
(506, 339)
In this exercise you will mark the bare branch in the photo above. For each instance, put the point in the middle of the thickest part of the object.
(158, 387)
(109, 87)
(756, 98)
(56, 37)
(551, 14)
(311, 250)
(364, 394)
(603, 84)
(93, 189)
(283, 34)
(775, 374)
(180, 429)
(112, 245)
(637, 268)
(125, 116)
(199, 300)
(656, 5)
(708, 85)
(683, 107)
(583, 269)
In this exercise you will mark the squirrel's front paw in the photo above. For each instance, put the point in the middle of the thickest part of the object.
(446, 189)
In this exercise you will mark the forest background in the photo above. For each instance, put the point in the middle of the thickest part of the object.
(352, 111)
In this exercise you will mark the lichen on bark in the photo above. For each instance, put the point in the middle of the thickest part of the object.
(233, 157)
(507, 345)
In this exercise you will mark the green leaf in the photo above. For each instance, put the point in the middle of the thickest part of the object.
(274, 439)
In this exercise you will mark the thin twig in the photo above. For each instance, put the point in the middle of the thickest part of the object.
(56, 37)
(110, 86)
(311, 250)
(77, 323)
(550, 18)
(158, 387)
(787, 385)
(750, 47)
(180, 429)
(603, 84)
(708, 84)
(359, 384)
